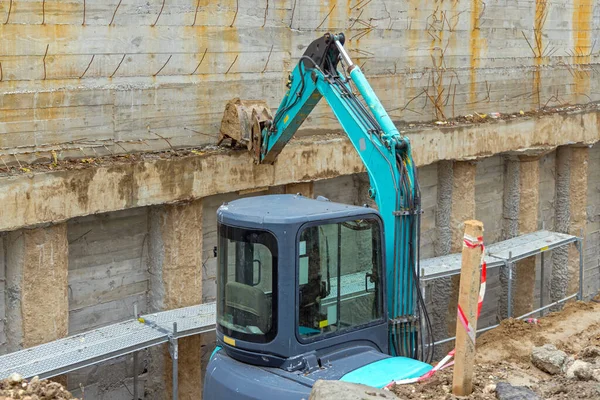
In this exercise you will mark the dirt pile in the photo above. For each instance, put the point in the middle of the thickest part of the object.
(15, 387)
(505, 354)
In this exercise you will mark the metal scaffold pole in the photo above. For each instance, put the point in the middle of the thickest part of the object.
(174, 350)
(579, 245)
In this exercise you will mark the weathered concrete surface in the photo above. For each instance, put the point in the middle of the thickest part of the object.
(560, 256)
(37, 290)
(489, 191)
(463, 209)
(489, 197)
(440, 289)
(108, 268)
(443, 241)
(512, 195)
(529, 201)
(428, 182)
(31, 199)
(510, 223)
(577, 204)
(463, 202)
(571, 216)
(176, 268)
(306, 189)
(166, 70)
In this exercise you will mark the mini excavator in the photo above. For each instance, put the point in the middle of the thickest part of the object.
(310, 289)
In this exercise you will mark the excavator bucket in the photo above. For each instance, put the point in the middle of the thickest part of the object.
(243, 122)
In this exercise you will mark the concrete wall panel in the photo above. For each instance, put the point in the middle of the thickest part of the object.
(428, 180)
(489, 191)
(108, 270)
(36, 288)
(342, 189)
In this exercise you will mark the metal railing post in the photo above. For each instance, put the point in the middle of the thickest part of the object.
(510, 279)
(541, 283)
(174, 350)
(135, 361)
(580, 248)
(135, 376)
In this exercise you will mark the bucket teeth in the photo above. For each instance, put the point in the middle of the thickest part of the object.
(242, 120)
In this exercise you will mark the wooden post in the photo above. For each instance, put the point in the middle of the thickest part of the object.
(462, 384)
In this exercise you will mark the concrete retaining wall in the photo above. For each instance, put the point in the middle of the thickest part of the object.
(148, 76)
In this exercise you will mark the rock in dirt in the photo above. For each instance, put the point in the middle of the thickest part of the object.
(14, 379)
(506, 391)
(335, 390)
(590, 352)
(491, 388)
(548, 358)
(580, 370)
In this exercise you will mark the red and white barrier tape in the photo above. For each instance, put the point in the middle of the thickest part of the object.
(470, 242)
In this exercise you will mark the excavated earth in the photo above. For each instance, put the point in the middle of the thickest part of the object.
(504, 355)
(15, 387)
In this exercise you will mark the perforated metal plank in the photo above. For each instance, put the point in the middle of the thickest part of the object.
(74, 352)
(527, 245)
(439, 267)
(102, 344)
(498, 253)
(190, 320)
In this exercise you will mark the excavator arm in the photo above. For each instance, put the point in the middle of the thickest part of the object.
(387, 157)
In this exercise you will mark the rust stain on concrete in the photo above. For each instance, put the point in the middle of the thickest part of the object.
(582, 38)
(474, 59)
(541, 13)
(477, 44)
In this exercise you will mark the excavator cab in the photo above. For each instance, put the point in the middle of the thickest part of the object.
(300, 296)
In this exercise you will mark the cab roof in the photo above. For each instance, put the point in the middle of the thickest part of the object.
(285, 209)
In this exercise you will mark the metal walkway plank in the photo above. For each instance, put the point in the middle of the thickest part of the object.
(530, 244)
(497, 254)
(102, 344)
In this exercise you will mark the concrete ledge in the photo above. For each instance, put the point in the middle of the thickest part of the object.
(543, 132)
(52, 196)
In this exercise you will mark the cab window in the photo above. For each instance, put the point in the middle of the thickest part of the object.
(247, 301)
(339, 276)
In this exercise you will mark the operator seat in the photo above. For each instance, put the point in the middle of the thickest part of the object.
(248, 305)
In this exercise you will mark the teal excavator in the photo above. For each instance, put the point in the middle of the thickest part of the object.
(310, 289)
